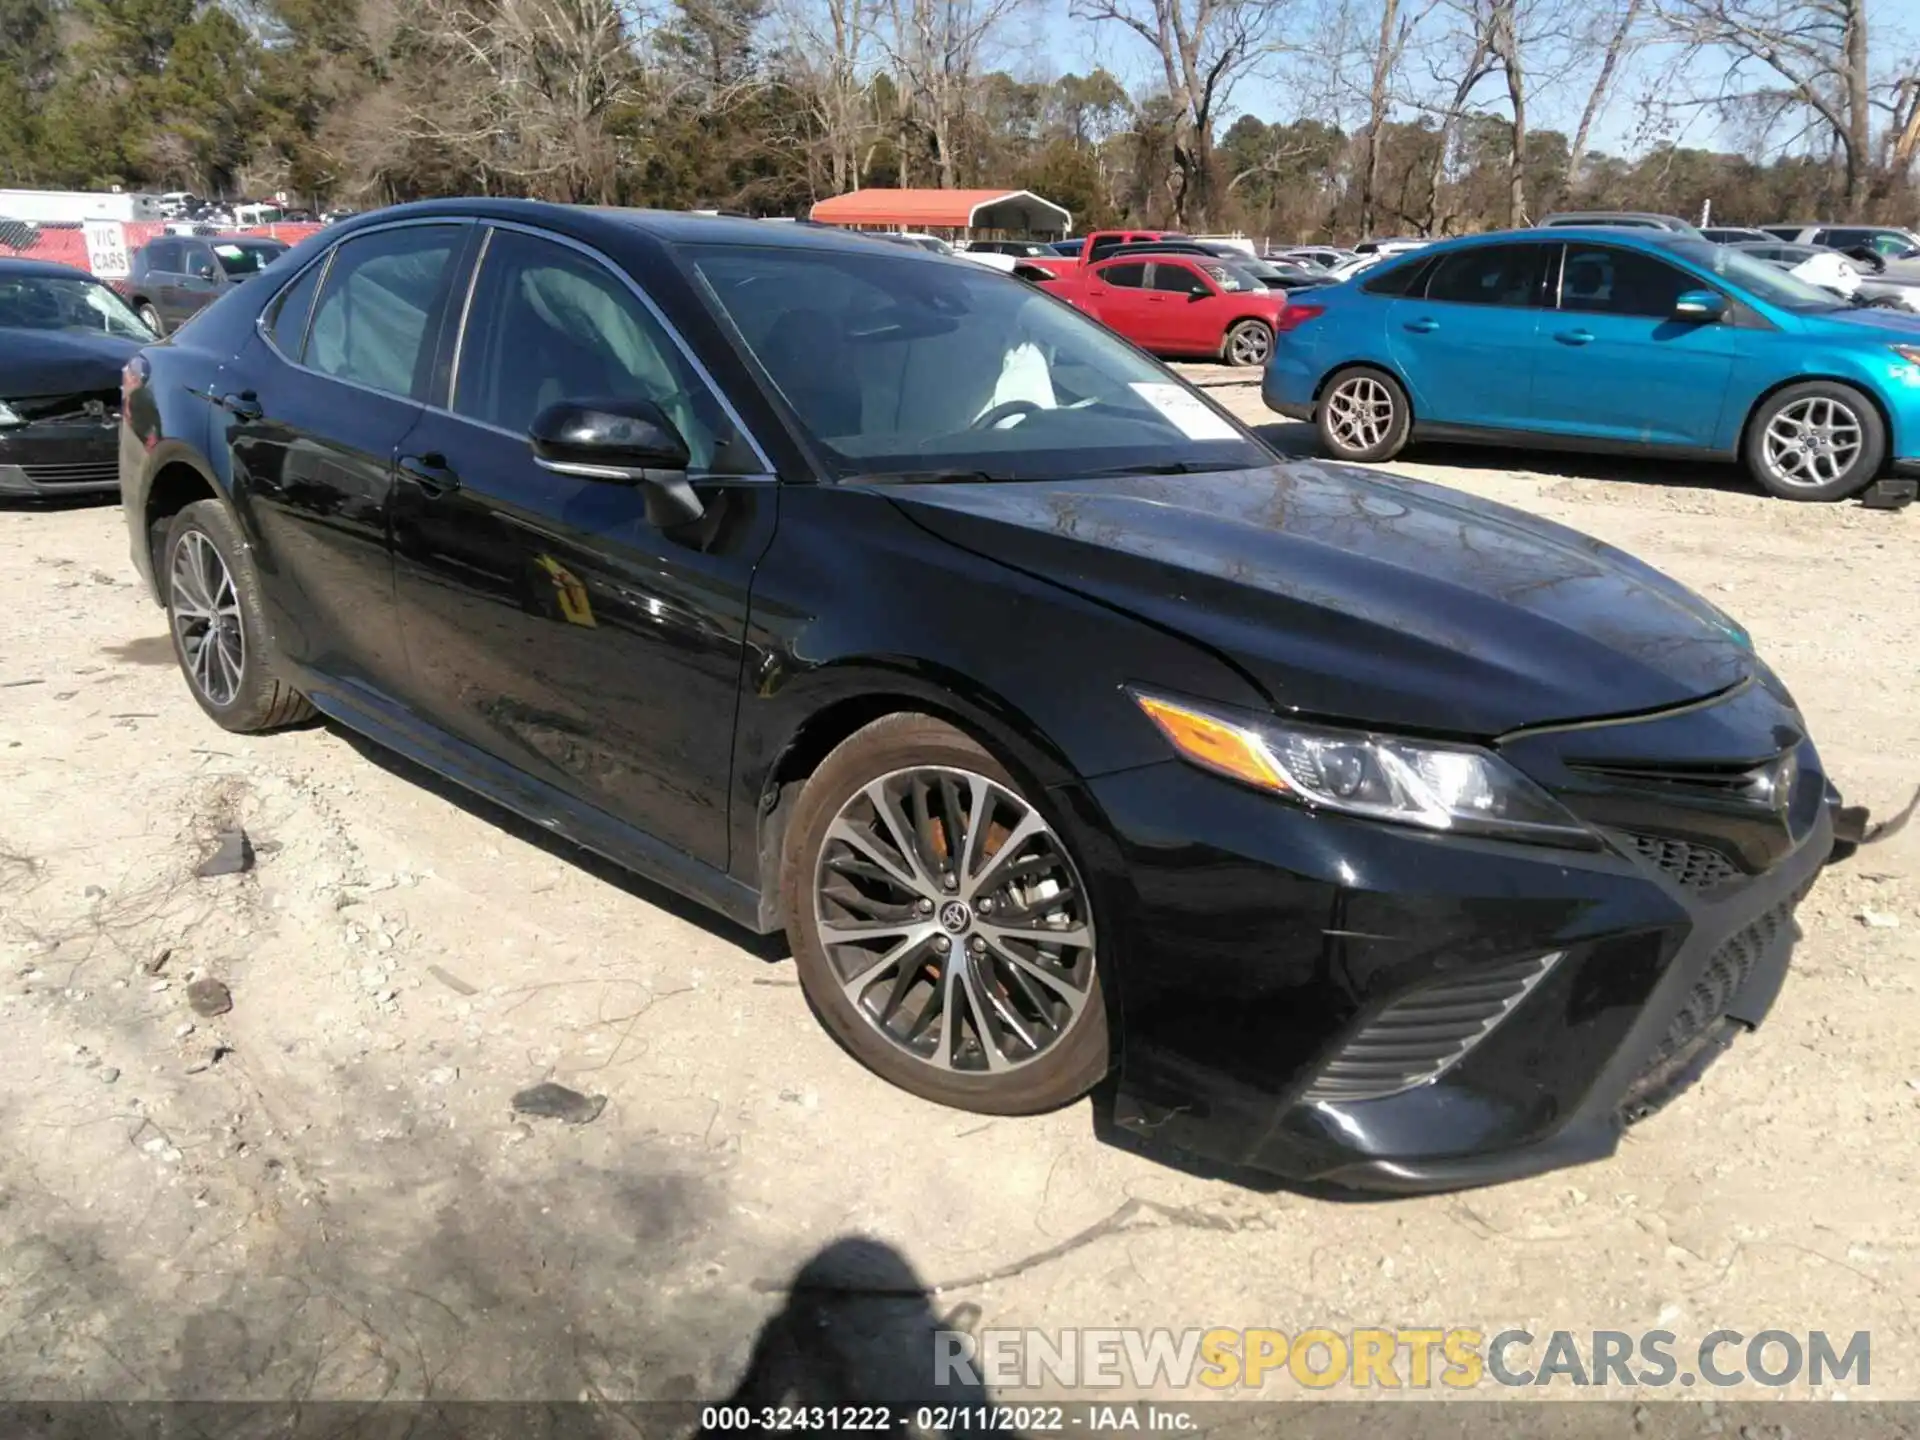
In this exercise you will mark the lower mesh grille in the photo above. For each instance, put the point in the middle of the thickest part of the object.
(1697, 867)
(1726, 972)
(1421, 1035)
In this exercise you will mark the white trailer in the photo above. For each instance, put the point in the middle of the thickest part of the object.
(74, 207)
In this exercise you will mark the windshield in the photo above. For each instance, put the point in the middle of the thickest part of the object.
(74, 305)
(239, 260)
(1759, 278)
(896, 365)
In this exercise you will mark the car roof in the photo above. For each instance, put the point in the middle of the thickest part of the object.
(49, 269)
(1561, 234)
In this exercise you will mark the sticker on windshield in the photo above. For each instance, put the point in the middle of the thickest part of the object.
(1188, 412)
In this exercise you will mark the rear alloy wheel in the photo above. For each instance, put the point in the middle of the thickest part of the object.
(1249, 343)
(150, 317)
(942, 932)
(219, 624)
(1363, 415)
(1818, 440)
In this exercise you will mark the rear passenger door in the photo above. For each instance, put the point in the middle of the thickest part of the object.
(550, 622)
(313, 413)
(1118, 298)
(1466, 345)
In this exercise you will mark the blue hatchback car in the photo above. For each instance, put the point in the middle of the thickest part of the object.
(1635, 341)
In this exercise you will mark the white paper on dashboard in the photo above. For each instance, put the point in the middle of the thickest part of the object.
(1188, 412)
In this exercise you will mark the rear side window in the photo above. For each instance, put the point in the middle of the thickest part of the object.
(163, 256)
(1485, 275)
(371, 323)
(1599, 280)
(1128, 277)
(1396, 277)
(287, 321)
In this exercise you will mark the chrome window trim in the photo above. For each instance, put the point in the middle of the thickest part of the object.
(260, 320)
(768, 472)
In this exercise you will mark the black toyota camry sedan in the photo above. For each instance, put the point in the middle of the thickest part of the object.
(1327, 824)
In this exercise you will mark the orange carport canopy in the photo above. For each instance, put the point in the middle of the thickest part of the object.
(943, 210)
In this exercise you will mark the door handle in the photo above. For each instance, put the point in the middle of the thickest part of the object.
(243, 406)
(1574, 337)
(1425, 325)
(430, 473)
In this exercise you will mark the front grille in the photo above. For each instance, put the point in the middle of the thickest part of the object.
(86, 404)
(1697, 867)
(87, 472)
(1423, 1034)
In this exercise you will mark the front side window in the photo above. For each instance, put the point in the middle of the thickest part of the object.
(1177, 279)
(894, 365)
(370, 325)
(1486, 275)
(549, 324)
(1759, 279)
(1596, 279)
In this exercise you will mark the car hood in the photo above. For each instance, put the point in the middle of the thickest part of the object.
(1362, 598)
(54, 362)
(1899, 325)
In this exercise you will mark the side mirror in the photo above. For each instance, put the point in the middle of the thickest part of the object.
(626, 442)
(1202, 294)
(1700, 306)
(203, 270)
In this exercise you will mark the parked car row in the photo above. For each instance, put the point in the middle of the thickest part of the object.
(1069, 735)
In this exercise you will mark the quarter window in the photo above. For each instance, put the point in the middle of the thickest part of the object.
(371, 323)
(288, 326)
(1485, 275)
(549, 324)
(1603, 281)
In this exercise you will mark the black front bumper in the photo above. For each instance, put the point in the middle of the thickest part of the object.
(49, 458)
(1259, 940)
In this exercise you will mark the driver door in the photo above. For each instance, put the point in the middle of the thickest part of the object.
(548, 622)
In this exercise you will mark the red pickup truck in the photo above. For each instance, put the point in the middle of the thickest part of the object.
(1190, 306)
(1094, 245)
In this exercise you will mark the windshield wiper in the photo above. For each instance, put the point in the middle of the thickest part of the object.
(932, 477)
(1164, 467)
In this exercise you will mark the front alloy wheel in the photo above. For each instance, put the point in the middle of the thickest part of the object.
(954, 920)
(1817, 440)
(942, 931)
(1249, 343)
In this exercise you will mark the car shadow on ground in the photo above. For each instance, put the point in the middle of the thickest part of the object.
(1297, 440)
(769, 948)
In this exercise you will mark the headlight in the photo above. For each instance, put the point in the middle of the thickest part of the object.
(1436, 786)
(9, 416)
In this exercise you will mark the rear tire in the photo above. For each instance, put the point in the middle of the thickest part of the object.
(218, 623)
(1043, 1016)
(1363, 415)
(150, 317)
(1818, 440)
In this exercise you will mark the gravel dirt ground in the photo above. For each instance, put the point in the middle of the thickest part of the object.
(323, 1193)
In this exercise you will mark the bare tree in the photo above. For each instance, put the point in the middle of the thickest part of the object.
(1205, 48)
(828, 44)
(1503, 40)
(1816, 52)
(1618, 42)
(935, 48)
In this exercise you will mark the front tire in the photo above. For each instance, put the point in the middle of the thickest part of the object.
(942, 931)
(1363, 415)
(219, 624)
(1248, 344)
(1818, 440)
